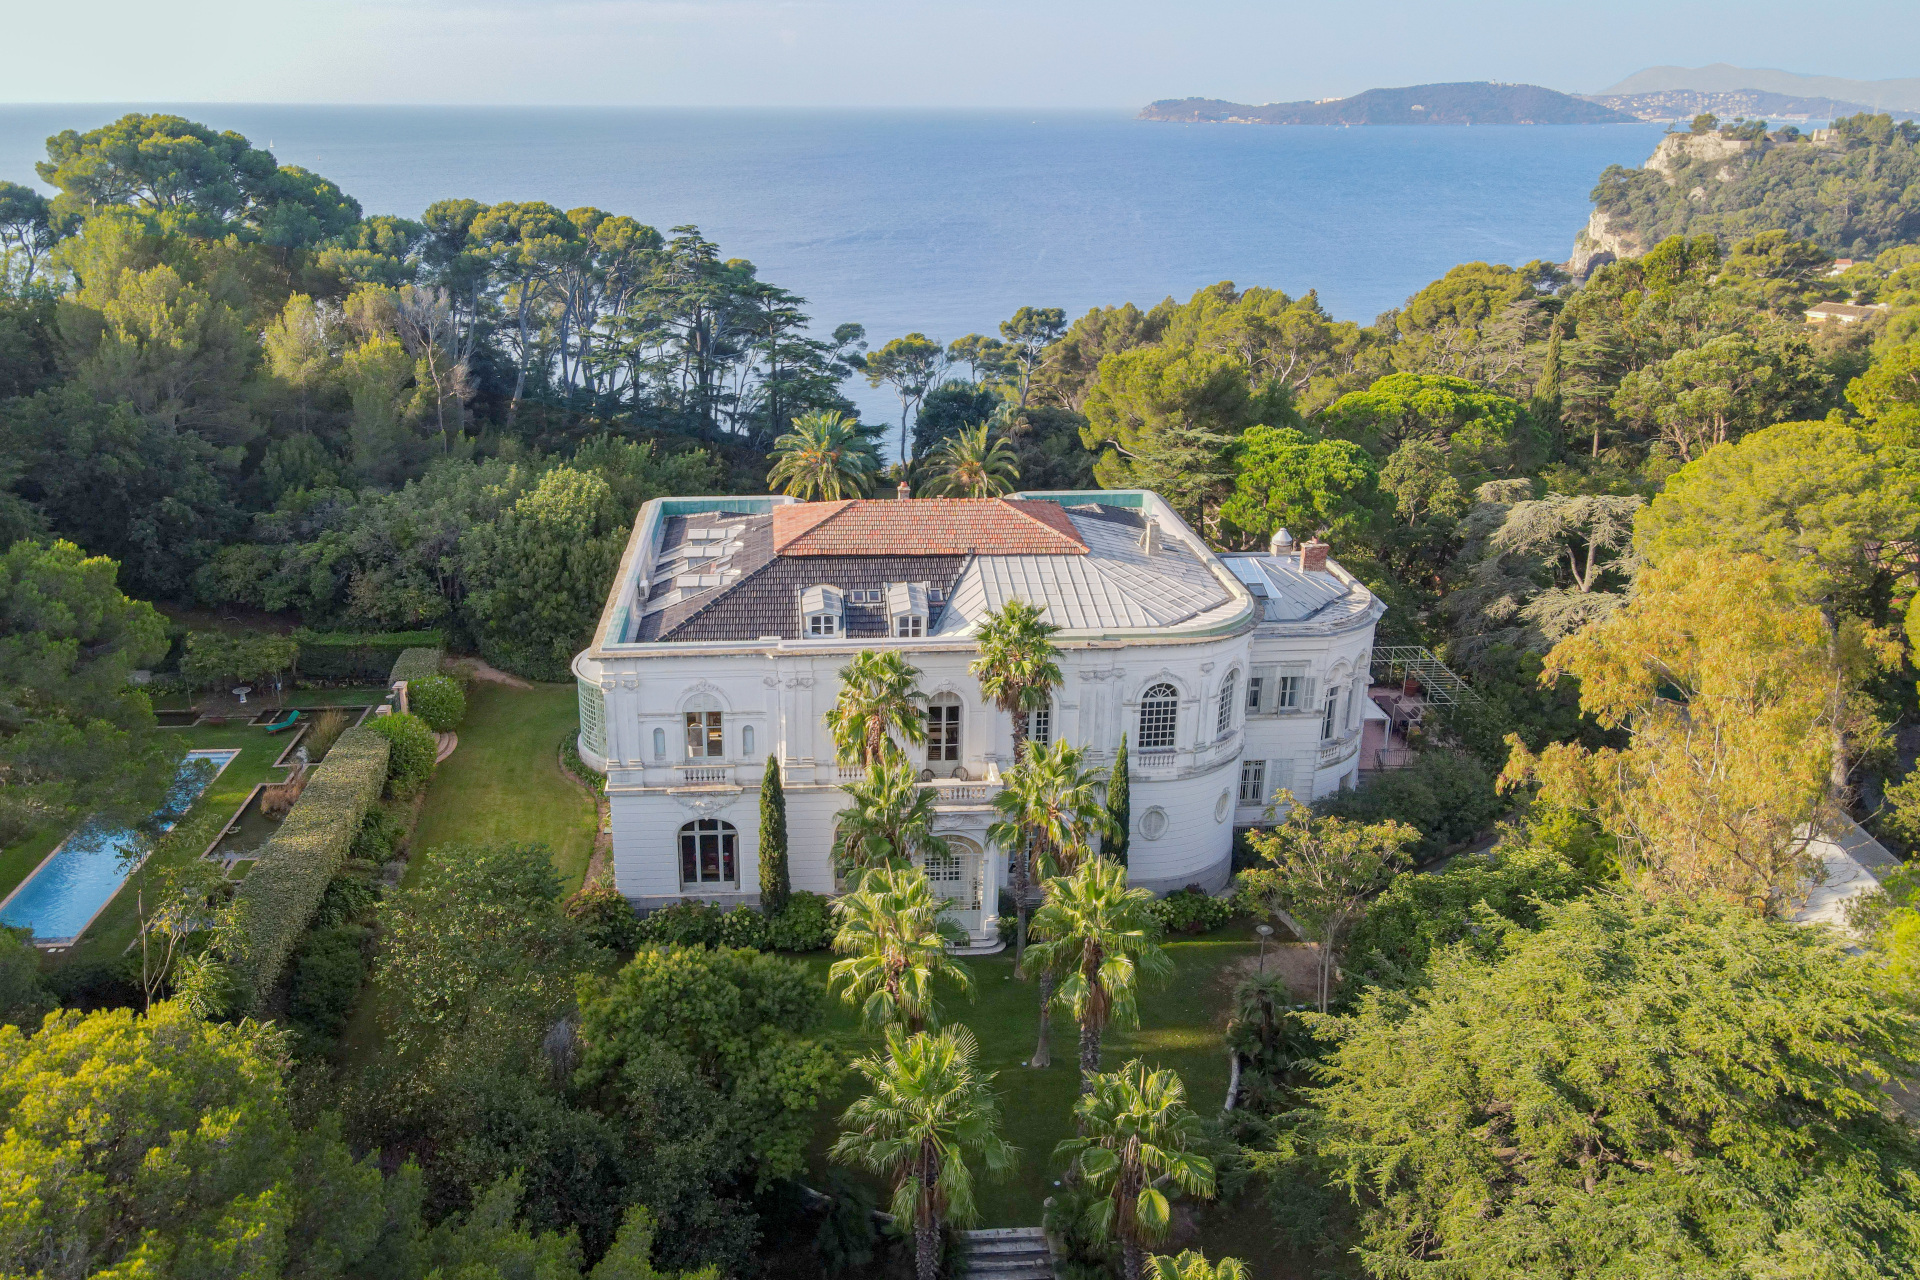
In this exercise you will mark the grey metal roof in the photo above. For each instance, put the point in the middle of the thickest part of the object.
(1288, 593)
(1115, 586)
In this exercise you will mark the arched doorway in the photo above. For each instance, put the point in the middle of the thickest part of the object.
(957, 878)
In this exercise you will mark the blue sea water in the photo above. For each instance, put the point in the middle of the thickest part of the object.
(64, 893)
(946, 221)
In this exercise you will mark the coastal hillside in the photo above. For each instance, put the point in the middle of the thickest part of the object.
(1853, 189)
(1879, 95)
(1477, 102)
(1685, 104)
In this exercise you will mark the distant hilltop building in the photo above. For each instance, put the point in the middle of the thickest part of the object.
(1232, 677)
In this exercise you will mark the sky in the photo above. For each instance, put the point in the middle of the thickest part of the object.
(900, 53)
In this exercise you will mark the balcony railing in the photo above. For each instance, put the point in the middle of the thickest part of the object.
(1153, 761)
(955, 791)
(705, 775)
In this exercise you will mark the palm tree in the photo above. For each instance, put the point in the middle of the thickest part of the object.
(1136, 1134)
(1193, 1265)
(968, 466)
(1052, 811)
(1099, 935)
(896, 945)
(823, 459)
(1018, 665)
(929, 1114)
(877, 702)
(889, 822)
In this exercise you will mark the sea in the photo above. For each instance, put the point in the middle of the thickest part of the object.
(943, 222)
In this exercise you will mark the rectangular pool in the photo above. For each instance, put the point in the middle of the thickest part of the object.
(67, 890)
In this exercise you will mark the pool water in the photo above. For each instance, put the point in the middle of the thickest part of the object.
(65, 892)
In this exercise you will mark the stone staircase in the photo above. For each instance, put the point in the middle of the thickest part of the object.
(1006, 1253)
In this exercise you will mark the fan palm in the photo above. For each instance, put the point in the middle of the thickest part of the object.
(1136, 1135)
(969, 465)
(823, 458)
(889, 822)
(1018, 665)
(1051, 811)
(895, 944)
(878, 702)
(1099, 935)
(929, 1115)
(1193, 1265)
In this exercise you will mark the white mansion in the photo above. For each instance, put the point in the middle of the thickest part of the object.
(1232, 676)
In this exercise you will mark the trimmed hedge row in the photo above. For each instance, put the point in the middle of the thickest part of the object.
(273, 905)
(416, 663)
(352, 655)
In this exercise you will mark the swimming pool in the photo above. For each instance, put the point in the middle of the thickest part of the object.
(67, 890)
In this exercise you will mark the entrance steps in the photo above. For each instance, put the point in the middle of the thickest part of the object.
(1005, 1253)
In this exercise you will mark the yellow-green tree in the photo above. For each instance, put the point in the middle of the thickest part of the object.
(1732, 691)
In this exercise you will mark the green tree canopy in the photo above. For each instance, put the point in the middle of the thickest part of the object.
(1483, 433)
(1287, 479)
(1633, 1089)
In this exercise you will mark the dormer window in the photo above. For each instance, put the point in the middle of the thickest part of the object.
(823, 609)
(907, 608)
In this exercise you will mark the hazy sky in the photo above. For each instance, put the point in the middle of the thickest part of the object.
(1060, 53)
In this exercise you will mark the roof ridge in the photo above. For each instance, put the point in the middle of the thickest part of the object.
(1019, 506)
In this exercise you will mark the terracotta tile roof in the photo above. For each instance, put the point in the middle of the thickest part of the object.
(925, 527)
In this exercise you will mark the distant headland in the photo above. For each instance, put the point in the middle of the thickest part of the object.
(1475, 102)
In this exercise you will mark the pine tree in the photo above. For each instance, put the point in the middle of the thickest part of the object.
(1119, 808)
(776, 885)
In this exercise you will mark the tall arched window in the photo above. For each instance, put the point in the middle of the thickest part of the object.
(1159, 717)
(1224, 721)
(705, 741)
(707, 852)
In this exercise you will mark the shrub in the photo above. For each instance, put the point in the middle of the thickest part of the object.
(214, 658)
(806, 925)
(744, 927)
(350, 898)
(326, 730)
(356, 656)
(1190, 910)
(274, 903)
(415, 664)
(607, 918)
(687, 923)
(380, 834)
(410, 763)
(439, 700)
(1447, 796)
(328, 971)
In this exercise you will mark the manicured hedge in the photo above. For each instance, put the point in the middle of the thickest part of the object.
(273, 905)
(416, 663)
(410, 764)
(354, 655)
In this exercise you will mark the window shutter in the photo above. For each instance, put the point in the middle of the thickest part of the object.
(1269, 678)
(1307, 701)
(1279, 777)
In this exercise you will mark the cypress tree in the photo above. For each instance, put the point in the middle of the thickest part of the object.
(1119, 807)
(775, 884)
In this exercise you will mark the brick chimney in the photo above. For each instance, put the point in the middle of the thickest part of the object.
(905, 491)
(1313, 556)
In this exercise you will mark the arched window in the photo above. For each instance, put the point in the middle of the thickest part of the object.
(943, 730)
(1224, 721)
(746, 742)
(659, 744)
(707, 852)
(705, 740)
(1159, 717)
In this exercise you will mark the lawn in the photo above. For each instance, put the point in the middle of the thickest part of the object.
(1182, 1024)
(118, 925)
(505, 784)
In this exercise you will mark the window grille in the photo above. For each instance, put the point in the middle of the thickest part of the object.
(943, 732)
(1159, 717)
(1040, 727)
(593, 723)
(707, 852)
(909, 626)
(1253, 781)
(944, 869)
(1224, 721)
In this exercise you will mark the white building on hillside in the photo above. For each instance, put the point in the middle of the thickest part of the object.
(729, 620)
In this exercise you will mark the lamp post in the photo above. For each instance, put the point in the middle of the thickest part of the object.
(1265, 931)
